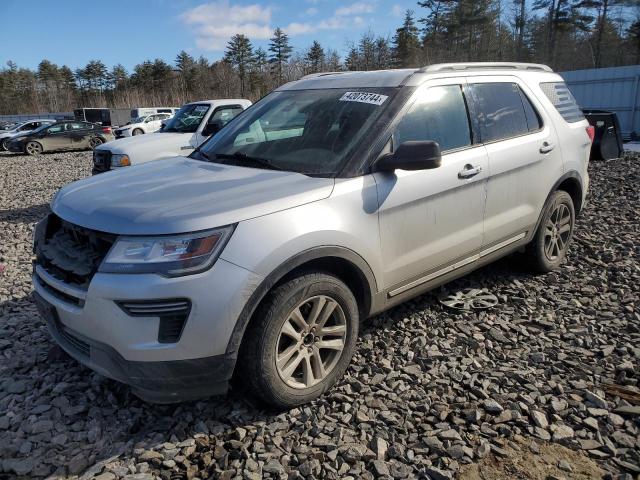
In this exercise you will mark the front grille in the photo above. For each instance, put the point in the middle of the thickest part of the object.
(59, 294)
(70, 253)
(101, 160)
(173, 314)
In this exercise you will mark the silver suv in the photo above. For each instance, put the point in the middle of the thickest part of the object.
(332, 199)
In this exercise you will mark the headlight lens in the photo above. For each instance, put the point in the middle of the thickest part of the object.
(120, 160)
(167, 255)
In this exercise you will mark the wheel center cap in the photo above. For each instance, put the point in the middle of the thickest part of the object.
(308, 339)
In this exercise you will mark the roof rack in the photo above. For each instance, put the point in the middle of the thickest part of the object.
(441, 67)
(320, 74)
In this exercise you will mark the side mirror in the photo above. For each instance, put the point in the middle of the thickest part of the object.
(414, 155)
(211, 128)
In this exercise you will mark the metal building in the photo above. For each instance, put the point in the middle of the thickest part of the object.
(614, 89)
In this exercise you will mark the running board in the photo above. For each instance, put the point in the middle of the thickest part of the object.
(456, 266)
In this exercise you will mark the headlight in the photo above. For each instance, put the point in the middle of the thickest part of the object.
(169, 255)
(120, 160)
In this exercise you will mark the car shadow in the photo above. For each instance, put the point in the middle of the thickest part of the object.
(29, 214)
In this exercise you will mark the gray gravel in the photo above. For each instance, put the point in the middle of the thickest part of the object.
(429, 389)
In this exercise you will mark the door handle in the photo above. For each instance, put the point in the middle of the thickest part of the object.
(469, 171)
(546, 147)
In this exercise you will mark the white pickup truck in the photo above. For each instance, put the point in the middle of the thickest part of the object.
(186, 130)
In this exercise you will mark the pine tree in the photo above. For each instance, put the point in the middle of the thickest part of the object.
(280, 52)
(352, 62)
(314, 58)
(239, 54)
(406, 45)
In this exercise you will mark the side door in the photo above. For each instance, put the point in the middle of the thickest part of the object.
(524, 156)
(56, 138)
(79, 134)
(431, 221)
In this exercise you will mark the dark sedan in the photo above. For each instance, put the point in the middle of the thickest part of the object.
(70, 135)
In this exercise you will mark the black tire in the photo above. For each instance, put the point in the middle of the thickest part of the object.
(4, 145)
(257, 361)
(542, 256)
(33, 148)
(95, 142)
(137, 131)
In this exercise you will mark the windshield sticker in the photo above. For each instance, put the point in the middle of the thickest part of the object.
(364, 97)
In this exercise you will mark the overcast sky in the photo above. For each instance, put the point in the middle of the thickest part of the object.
(72, 32)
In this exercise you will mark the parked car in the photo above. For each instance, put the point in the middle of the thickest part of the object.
(61, 136)
(334, 198)
(144, 111)
(188, 128)
(21, 128)
(142, 125)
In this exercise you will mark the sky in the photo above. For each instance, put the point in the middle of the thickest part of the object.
(72, 32)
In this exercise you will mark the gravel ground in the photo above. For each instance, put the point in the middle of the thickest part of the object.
(516, 391)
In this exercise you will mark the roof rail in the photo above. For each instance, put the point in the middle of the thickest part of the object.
(441, 67)
(319, 74)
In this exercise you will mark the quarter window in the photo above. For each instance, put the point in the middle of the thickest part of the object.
(439, 114)
(501, 113)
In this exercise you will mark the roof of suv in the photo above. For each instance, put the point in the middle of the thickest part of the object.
(408, 76)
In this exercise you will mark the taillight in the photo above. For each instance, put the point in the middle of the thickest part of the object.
(591, 131)
(106, 129)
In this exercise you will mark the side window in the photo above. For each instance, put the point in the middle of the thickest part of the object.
(224, 115)
(562, 99)
(534, 122)
(56, 128)
(76, 126)
(439, 114)
(501, 113)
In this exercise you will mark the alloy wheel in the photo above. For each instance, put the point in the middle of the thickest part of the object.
(95, 142)
(33, 148)
(311, 342)
(557, 232)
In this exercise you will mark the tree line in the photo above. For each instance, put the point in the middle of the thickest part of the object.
(565, 34)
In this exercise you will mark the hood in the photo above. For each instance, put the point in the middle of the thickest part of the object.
(19, 135)
(181, 195)
(10, 134)
(157, 140)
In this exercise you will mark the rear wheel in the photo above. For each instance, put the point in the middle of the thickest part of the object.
(549, 246)
(95, 142)
(137, 131)
(33, 148)
(301, 341)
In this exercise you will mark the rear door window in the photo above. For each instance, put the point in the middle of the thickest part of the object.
(500, 111)
(439, 114)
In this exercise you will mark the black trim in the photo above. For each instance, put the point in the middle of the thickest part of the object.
(277, 274)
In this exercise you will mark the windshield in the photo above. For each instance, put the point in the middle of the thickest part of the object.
(187, 119)
(306, 131)
(138, 120)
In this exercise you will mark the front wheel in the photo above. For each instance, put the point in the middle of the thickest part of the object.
(137, 131)
(551, 241)
(4, 145)
(33, 148)
(300, 341)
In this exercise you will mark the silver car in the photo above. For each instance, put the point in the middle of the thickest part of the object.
(332, 199)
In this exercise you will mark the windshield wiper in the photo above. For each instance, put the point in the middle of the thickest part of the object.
(263, 162)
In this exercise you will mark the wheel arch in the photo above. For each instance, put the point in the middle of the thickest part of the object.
(570, 182)
(342, 262)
